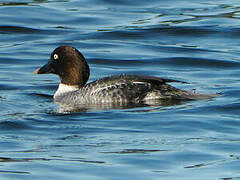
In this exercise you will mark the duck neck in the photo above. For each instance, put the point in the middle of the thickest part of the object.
(75, 72)
(64, 88)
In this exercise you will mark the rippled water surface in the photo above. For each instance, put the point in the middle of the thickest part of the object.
(189, 40)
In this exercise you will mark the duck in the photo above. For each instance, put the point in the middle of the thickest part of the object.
(72, 68)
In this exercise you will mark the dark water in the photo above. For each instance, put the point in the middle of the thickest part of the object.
(189, 40)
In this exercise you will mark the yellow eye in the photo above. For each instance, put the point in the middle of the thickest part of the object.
(55, 57)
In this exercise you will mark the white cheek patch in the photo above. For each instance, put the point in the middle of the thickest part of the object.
(55, 56)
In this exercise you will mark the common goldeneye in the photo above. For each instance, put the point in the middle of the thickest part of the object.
(70, 65)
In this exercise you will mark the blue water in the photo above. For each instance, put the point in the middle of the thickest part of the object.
(193, 41)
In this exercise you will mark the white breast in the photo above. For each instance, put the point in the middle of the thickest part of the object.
(63, 88)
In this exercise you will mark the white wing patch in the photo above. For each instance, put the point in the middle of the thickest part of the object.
(106, 87)
(119, 85)
(139, 82)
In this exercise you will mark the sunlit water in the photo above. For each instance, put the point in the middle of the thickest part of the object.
(193, 41)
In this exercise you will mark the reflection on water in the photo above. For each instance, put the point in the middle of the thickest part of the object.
(130, 151)
(66, 108)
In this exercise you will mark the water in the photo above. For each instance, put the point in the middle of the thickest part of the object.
(193, 41)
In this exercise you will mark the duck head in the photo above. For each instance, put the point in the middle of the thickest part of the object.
(69, 64)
